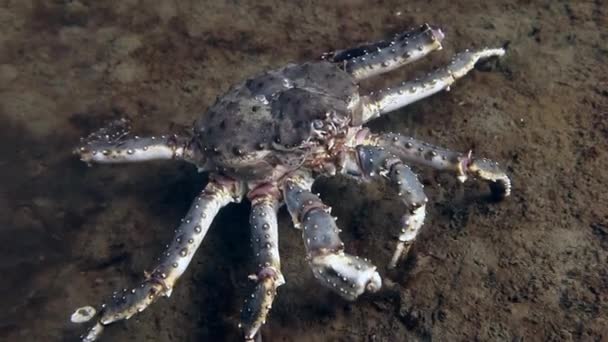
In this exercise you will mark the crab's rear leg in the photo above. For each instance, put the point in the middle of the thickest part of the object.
(376, 104)
(345, 274)
(112, 144)
(173, 261)
(365, 162)
(463, 165)
(265, 240)
(372, 59)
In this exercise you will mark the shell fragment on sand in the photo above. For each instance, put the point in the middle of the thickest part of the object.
(83, 314)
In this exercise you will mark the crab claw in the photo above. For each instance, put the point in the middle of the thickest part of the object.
(488, 170)
(347, 275)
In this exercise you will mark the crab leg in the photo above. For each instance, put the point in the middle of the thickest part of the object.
(111, 145)
(376, 104)
(464, 165)
(173, 261)
(347, 275)
(265, 239)
(365, 162)
(376, 58)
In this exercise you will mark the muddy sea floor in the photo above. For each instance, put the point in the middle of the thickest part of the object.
(534, 267)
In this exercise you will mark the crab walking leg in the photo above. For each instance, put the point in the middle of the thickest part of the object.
(376, 104)
(110, 144)
(464, 165)
(365, 162)
(173, 261)
(265, 241)
(347, 275)
(376, 58)
(136, 150)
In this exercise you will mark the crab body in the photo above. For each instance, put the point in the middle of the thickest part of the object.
(277, 120)
(268, 138)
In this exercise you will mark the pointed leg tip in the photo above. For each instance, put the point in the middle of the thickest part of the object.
(94, 333)
(401, 251)
(438, 34)
(396, 255)
(257, 306)
(491, 52)
(392, 264)
(500, 51)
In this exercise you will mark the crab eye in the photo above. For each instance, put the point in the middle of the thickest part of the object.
(317, 124)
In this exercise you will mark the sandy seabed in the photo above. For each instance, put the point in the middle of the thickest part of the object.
(534, 267)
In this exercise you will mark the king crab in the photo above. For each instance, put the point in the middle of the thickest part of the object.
(268, 139)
